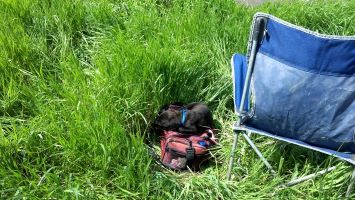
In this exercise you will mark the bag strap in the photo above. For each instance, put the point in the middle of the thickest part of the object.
(190, 153)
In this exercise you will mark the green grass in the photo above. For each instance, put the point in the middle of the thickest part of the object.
(81, 80)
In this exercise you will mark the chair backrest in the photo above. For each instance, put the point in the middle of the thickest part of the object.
(303, 85)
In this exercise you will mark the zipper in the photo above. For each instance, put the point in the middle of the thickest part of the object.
(167, 149)
(188, 143)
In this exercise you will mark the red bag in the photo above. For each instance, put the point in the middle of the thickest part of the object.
(181, 150)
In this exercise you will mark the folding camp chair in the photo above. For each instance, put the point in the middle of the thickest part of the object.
(296, 86)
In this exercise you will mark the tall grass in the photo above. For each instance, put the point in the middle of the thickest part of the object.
(82, 80)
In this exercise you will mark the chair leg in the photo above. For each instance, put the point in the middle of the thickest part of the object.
(310, 176)
(231, 159)
(259, 154)
(351, 184)
(242, 150)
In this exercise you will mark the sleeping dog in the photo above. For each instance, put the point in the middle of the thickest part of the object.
(189, 119)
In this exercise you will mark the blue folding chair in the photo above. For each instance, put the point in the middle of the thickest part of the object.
(296, 86)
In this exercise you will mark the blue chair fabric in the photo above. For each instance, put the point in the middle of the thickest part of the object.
(303, 87)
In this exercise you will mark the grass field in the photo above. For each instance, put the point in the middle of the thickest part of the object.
(81, 80)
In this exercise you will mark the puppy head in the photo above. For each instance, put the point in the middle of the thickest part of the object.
(166, 107)
(168, 119)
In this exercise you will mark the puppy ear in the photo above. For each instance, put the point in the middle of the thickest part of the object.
(163, 108)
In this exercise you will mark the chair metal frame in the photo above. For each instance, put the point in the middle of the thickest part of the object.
(245, 131)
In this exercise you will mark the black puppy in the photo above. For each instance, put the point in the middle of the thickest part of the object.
(189, 119)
